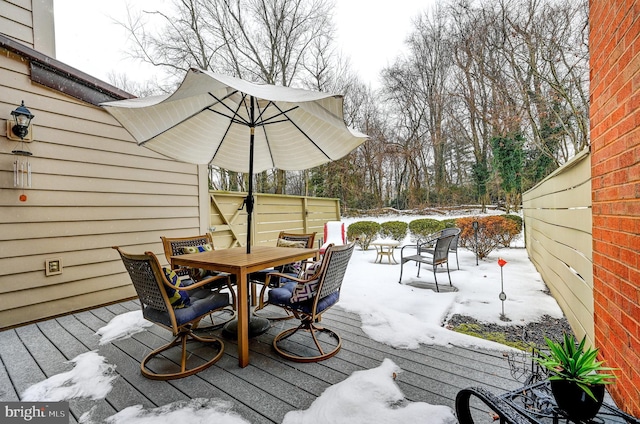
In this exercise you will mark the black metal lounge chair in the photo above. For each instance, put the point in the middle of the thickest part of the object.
(439, 256)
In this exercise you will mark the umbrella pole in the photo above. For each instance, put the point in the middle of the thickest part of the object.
(249, 200)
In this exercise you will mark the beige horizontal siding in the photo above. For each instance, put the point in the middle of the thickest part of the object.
(92, 188)
(47, 309)
(16, 20)
(558, 233)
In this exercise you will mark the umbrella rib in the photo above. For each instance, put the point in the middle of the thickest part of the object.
(142, 143)
(232, 119)
(235, 117)
(270, 120)
(264, 130)
(301, 131)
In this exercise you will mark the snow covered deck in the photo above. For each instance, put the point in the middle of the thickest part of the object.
(263, 392)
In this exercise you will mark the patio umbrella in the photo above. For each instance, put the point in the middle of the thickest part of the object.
(240, 126)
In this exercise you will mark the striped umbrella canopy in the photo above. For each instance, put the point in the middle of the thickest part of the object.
(239, 126)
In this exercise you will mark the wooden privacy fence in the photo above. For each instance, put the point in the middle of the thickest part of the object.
(558, 237)
(272, 213)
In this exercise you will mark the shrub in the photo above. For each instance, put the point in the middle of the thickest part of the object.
(363, 233)
(396, 230)
(492, 233)
(510, 233)
(422, 228)
(449, 223)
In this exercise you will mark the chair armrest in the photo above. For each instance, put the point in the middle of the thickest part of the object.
(429, 243)
(282, 275)
(411, 246)
(416, 247)
(198, 284)
(505, 411)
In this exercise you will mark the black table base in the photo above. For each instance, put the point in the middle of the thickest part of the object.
(257, 326)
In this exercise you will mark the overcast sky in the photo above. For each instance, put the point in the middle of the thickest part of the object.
(370, 33)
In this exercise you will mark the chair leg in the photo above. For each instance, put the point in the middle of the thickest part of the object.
(231, 309)
(262, 304)
(181, 339)
(229, 315)
(435, 278)
(234, 300)
(253, 294)
(308, 327)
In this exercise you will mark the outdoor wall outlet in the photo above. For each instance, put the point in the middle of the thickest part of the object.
(53, 266)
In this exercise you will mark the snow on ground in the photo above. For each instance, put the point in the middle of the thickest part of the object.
(401, 315)
(406, 315)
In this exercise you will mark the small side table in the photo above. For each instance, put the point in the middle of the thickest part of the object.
(385, 248)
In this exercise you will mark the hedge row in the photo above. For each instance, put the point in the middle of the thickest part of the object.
(493, 231)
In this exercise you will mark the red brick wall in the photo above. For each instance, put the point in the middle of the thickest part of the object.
(614, 44)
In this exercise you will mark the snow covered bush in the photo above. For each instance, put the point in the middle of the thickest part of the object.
(363, 233)
(396, 230)
(423, 227)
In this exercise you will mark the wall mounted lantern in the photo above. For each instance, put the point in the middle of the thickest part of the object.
(18, 130)
(18, 127)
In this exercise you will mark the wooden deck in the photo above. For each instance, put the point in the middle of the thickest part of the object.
(263, 392)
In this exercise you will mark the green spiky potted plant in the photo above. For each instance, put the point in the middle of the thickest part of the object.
(577, 378)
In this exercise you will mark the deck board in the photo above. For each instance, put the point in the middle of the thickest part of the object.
(262, 393)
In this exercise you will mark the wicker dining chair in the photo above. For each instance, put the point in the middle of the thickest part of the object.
(307, 299)
(155, 292)
(175, 246)
(306, 241)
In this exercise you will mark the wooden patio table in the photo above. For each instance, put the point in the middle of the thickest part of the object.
(237, 261)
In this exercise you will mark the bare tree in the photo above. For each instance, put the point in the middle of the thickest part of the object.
(471, 110)
(474, 71)
(545, 45)
(140, 89)
(430, 49)
(271, 41)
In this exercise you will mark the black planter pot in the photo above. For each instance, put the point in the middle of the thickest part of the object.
(575, 402)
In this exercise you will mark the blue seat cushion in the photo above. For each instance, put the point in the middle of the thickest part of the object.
(202, 301)
(282, 296)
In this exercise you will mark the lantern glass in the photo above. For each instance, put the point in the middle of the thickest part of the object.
(22, 118)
